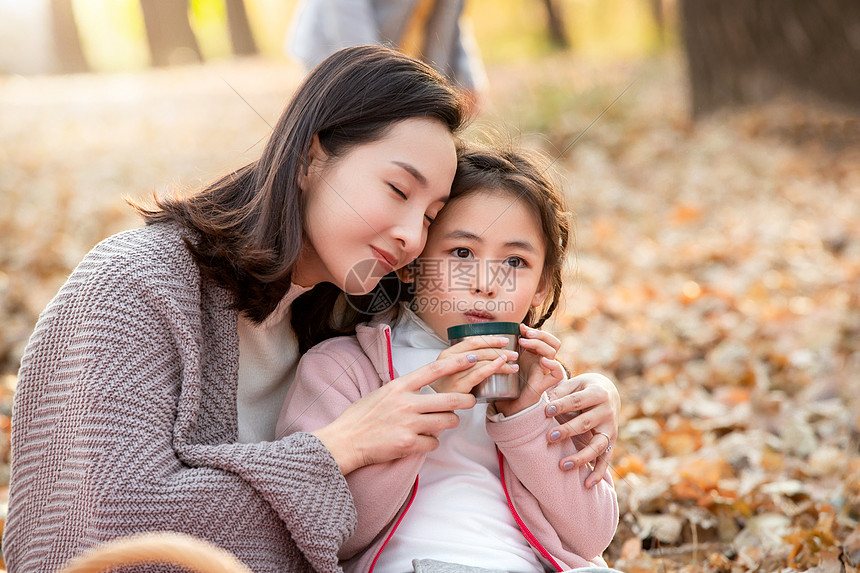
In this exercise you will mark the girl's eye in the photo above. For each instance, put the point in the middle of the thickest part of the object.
(515, 262)
(430, 220)
(398, 191)
(461, 253)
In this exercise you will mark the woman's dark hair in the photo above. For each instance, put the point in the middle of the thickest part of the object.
(246, 227)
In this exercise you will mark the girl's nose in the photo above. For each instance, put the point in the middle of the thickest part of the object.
(483, 286)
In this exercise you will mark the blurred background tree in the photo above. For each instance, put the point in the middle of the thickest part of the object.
(67, 42)
(168, 31)
(747, 51)
(555, 24)
(240, 29)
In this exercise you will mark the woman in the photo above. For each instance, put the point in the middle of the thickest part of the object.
(148, 394)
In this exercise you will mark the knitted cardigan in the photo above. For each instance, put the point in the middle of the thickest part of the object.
(125, 421)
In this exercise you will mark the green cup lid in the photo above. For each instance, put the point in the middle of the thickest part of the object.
(479, 328)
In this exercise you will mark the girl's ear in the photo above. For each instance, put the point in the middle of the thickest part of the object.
(542, 291)
(313, 162)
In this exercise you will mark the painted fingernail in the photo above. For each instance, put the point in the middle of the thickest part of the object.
(472, 358)
(568, 465)
(554, 435)
(515, 367)
(532, 332)
(551, 410)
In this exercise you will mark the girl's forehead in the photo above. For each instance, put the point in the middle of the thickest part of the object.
(488, 214)
(489, 201)
(484, 194)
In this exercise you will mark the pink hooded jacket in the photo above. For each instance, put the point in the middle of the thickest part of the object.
(566, 525)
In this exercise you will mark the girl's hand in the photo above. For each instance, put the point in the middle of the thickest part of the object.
(538, 368)
(590, 404)
(396, 420)
(490, 357)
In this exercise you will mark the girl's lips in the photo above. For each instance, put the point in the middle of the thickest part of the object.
(478, 316)
(387, 259)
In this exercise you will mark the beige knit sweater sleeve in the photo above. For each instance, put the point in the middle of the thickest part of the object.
(125, 421)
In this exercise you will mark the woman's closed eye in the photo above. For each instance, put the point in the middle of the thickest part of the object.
(428, 219)
(398, 192)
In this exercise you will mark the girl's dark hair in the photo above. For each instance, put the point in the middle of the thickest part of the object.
(246, 227)
(525, 177)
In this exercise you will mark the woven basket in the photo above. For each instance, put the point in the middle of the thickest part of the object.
(165, 548)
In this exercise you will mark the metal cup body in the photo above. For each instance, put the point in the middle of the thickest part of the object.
(497, 386)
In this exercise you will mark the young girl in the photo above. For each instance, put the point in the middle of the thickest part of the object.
(485, 498)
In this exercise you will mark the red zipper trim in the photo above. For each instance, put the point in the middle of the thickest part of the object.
(525, 530)
(390, 357)
(396, 525)
(415, 486)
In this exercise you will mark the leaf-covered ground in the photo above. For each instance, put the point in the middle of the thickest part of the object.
(715, 277)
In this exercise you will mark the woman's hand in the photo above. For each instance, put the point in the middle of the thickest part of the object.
(490, 358)
(538, 368)
(589, 404)
(396, 421)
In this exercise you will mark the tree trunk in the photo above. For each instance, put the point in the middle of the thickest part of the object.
(555, 23)
(746, 51)
(240, 30)
(658, 11)
(67, 42)
(171, 40)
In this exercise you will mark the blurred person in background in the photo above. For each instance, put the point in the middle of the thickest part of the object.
(434, 31)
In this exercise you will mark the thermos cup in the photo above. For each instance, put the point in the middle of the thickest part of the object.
(496, 386)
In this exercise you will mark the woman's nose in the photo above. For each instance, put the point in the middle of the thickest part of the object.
(410, 236)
